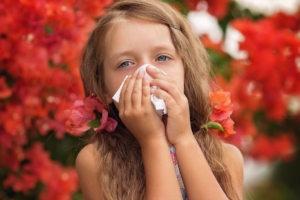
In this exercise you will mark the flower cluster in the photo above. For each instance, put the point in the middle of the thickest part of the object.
(220, 122)
(271, 148)
(59, 183)
(271, 69)
(263, 84)
(40, 42)
(82, 117)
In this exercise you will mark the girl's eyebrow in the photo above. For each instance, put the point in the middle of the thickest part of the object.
(166, 47)
(121, 53)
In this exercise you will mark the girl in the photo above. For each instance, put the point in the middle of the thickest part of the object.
(134, 161)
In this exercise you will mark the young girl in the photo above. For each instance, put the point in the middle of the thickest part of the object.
(134, 161)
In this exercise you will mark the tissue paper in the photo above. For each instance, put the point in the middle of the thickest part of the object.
(158, 103)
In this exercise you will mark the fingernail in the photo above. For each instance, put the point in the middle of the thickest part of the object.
(145, 78)
(136, 71)
(163, 72)
(150, 67)
(140, 71)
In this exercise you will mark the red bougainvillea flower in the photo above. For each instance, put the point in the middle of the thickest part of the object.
(11, 158)
(277, 74)
(59, 183)
(217, 8)
(23, 183)
(63, 183)
(281, 146)
(107, 123)
(5, 92)
(221, 111)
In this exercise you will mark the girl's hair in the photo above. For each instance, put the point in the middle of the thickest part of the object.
(120, 165)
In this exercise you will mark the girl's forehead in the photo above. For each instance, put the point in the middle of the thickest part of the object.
(134, 34)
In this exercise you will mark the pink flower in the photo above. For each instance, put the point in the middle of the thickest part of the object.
(78, 117)
(107, 123)
(83, 112)
(92, 103)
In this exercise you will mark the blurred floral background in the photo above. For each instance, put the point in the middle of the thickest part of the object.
(254, 46)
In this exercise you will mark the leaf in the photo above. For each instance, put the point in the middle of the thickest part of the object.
(48, 29)
(94, 123)
(214, 125)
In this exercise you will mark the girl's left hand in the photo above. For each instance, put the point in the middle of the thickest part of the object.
(178, 122)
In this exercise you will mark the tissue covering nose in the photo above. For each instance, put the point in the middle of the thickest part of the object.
(158, 103)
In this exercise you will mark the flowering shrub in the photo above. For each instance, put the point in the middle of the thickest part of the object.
(40, 46)
(40, 43)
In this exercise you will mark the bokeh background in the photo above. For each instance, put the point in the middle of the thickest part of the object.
(254, 46)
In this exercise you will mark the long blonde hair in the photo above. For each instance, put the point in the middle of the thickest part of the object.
(120, 167)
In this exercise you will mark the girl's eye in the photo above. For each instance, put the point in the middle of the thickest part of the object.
(124, 64)
(162, 58)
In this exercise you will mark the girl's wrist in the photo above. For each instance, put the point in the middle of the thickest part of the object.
(189, 139)
(153, 143)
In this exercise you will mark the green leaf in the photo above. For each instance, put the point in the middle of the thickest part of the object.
(48, 29)
(94, 123)
(214, 125)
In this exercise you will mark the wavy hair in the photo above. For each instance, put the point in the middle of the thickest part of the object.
(120, 166)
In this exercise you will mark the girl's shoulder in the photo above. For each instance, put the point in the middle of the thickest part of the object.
(233, 157)
(234, 161)
(87, 169)
(87, 155)
(232, 152)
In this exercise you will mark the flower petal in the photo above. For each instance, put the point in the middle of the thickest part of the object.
(93, 103)
(79, 131)
(217, 117)
(81, 116)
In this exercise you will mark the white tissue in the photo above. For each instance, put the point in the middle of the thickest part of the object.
(158, 103)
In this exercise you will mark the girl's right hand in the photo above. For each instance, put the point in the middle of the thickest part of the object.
(137, 112)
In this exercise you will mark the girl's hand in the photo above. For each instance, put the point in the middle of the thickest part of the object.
(178, 122)
(137, 112)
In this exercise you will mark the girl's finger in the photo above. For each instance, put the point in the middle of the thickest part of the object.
(136, 95)
(158, 74)
(170, 102)
(170, 88)
(121, 99)
(128, 92)
(146, 92)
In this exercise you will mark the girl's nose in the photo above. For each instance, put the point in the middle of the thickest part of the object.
(147, 61)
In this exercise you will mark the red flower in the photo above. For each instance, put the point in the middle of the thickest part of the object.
(222, 109)
(5, 92)
(270, 149)
(272, 66)
(217, 8)
(21, 184)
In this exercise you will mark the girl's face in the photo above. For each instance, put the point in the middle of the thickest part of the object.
(132, 43)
